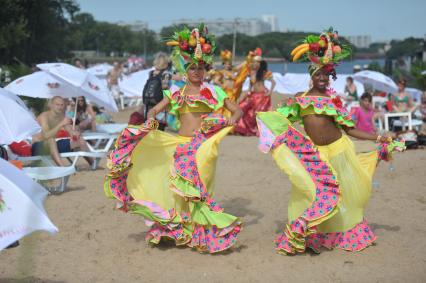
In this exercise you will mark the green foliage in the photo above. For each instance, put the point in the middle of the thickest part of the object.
(375, 66)
(416, 72)
(408, 46)
(38, 29)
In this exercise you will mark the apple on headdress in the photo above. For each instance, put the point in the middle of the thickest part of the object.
(314, 47)
(206, 48)
(183, 45)
(337, 49)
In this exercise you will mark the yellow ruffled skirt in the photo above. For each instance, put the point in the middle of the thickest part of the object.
(169, 180)
(331, 186)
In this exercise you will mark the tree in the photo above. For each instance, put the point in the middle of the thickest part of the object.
(408, 46)
(12, 29)
(416, 70)
(38, 29)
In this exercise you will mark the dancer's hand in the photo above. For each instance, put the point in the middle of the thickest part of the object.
(386, 138)
(151, 114)
(232, 121)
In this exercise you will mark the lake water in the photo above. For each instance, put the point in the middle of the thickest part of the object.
(343, 68)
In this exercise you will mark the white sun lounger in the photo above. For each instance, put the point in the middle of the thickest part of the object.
(102, 141)
(110, 128)
(40, 174)
(75, 155)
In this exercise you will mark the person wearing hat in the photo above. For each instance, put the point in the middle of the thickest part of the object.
(331, 183)
(168, 179)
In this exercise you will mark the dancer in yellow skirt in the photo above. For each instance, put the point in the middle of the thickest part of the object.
(169, 179)
(331, 183)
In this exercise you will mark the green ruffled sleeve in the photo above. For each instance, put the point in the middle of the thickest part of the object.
(220, 96)
(173, 104)
(291, 112)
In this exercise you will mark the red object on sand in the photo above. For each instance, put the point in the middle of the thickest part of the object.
(136, 118)
(21, 148)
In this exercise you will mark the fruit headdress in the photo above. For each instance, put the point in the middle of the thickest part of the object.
(323, 51)
(226, 56)
(255, 54)
(191, 47)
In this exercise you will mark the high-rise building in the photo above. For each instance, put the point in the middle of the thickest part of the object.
(272, 20)
(360, 41)
(252, 27)
(135, 25)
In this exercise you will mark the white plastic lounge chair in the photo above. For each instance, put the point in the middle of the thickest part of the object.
(102, 142)
(44, 175)
(47, 173)
(75, 155)
(110, 128)
(401, 123)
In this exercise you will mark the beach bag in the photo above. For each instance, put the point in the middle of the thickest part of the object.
(153, 90)
(410, 138)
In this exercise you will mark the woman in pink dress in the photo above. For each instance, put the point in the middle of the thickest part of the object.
(257, 99)
(364, 115)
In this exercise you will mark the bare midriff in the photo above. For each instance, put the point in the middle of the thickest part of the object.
(258, 87)
(190, 122)
(321, 129)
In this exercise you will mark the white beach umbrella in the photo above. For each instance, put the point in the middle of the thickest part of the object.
(82, 81)
(16, 121)
(377, 80)
(100, 70)
(21, 205)
(133, 84)
(415, 93)
(42, 85)
(424, 72)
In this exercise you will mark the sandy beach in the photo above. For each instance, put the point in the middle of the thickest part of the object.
(96, 243)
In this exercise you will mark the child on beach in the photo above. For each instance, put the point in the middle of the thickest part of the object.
(364, 115)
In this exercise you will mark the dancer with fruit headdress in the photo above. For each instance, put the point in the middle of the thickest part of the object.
(225, 78)
(331, 183)
(258, 98)
(167, 179)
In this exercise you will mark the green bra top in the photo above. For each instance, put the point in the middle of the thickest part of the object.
(300, 106)
(210, 99)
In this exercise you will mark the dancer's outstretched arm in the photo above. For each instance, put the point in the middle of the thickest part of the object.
(235, 110)
(158, 108)
(367, 136)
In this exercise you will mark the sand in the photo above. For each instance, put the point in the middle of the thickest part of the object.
(96, 243)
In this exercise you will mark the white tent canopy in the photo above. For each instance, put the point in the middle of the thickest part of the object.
(132, 85)
(292, 83)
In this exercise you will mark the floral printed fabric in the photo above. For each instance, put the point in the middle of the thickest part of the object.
(331, 106)
(185, 181)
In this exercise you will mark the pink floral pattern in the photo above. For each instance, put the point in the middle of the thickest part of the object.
(331, 106)
(207, 96)
(355, 239)
(171, 224)
(327, 192)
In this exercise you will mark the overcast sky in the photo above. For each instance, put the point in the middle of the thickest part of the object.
(382, 19)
